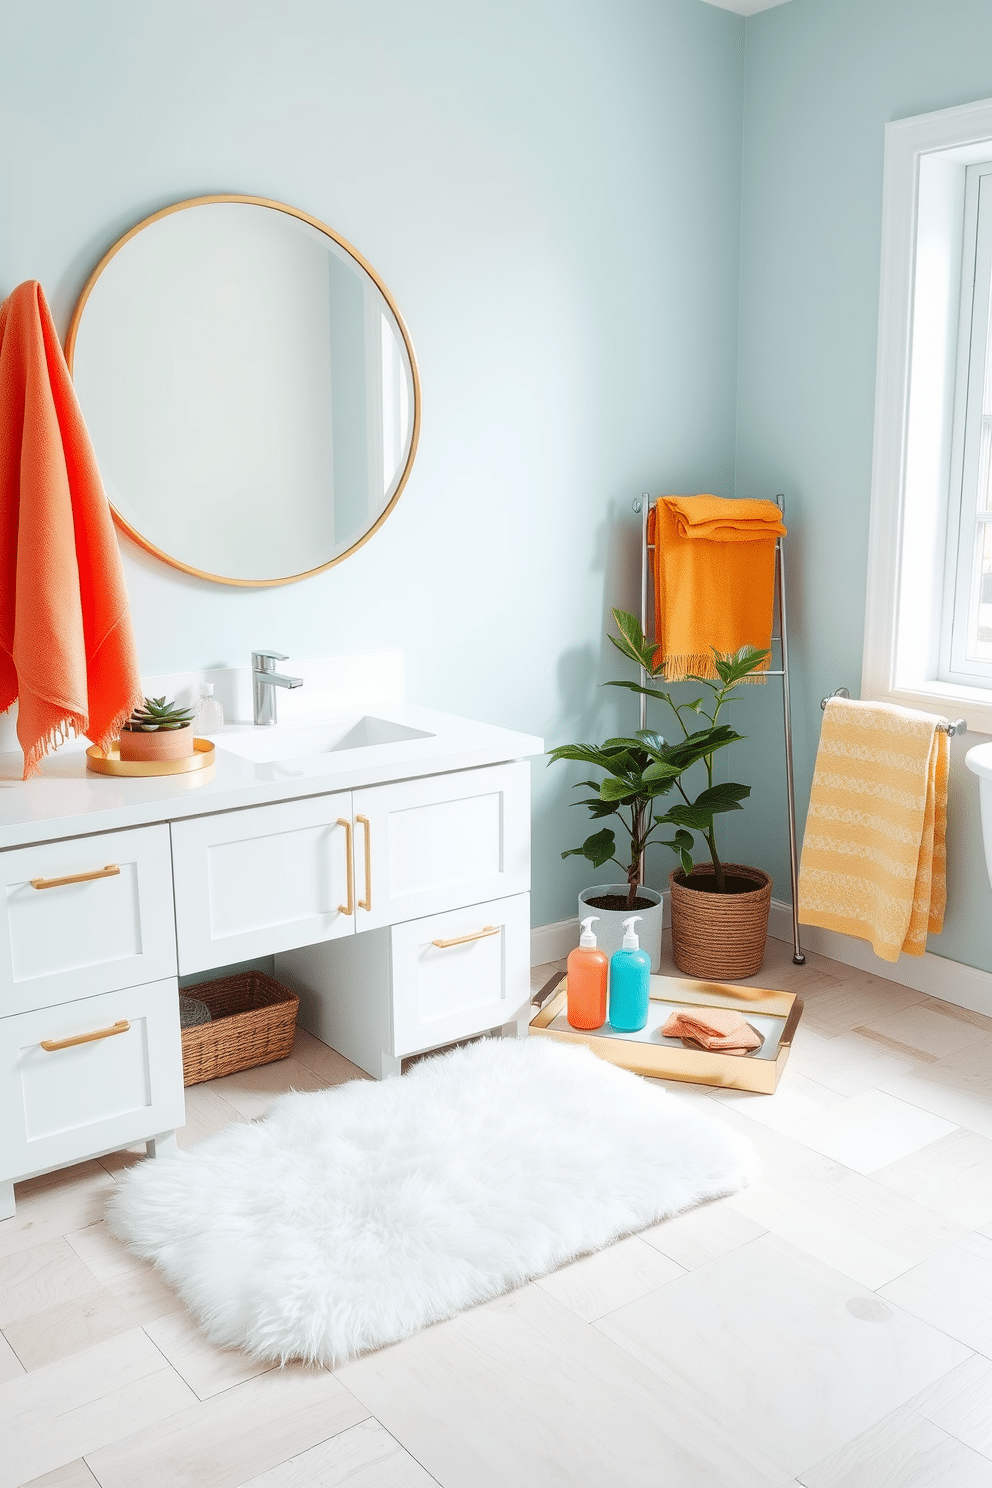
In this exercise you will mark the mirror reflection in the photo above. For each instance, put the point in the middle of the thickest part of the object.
(249, 387)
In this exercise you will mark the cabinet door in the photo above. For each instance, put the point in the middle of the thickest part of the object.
(261, 880)
(459, 973)
(440, 842)
(85, 915)
(84, 1095)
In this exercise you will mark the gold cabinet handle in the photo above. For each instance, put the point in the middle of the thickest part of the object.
(86, 1038)
(464, 939)
(366, 903)
(111, 871)
(349, 908)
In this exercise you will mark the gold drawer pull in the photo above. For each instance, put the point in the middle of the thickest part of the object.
(349, 908)
(464, 939)
(111, 871)
(86, 1038)
(366, 903)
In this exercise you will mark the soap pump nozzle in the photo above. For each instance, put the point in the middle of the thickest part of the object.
(630, 941)
(587, 939)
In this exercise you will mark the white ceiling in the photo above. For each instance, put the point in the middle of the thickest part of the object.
(745, 7)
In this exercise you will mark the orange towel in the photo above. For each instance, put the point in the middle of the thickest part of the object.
(66, 648)
(713, 1028)
(714, 572)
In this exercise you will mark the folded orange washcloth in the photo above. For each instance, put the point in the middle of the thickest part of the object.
(66, 648)
(719, 1029)
(714, 572)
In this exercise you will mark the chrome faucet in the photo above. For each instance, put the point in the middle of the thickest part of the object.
(264, 681)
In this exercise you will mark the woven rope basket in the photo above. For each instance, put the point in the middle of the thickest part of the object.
(721, 936)
(253, 1022)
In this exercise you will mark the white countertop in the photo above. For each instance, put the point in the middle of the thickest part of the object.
(67, 800)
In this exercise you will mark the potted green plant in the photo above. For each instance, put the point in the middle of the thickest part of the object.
(719, 910)
(637, 771)
(157, 730)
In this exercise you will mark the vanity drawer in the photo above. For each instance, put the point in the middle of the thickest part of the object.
(459, 973)
(85, 915)
(261, 880)
(59, 1105)
(440, 841)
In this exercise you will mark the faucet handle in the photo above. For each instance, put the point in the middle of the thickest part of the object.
(259, 658)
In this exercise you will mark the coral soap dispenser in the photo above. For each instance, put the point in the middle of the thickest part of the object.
(588, 969)
(630, 973)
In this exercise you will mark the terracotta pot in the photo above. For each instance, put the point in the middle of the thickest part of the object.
(163, 744)
(719, 936)
(609, 931)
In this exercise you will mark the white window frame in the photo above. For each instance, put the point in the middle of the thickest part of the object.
(971, 432)
(923, 196)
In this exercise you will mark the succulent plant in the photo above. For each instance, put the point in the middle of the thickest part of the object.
(157, 715)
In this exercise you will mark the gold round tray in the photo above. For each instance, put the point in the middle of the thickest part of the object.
(109, 762)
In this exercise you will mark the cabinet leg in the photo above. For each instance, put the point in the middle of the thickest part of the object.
(520, 1027)
(7, 1199)
(161, 1145)
(390, 1066)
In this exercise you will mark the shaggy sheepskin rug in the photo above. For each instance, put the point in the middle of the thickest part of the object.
(348, 1218)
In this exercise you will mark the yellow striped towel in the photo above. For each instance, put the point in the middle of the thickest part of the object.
(874, 857)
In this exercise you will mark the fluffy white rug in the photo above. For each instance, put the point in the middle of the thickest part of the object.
(351, 1217)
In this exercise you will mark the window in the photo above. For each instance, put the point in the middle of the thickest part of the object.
(966, 650)
(928, 620)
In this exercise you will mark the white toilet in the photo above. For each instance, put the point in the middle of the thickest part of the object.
(979, 762)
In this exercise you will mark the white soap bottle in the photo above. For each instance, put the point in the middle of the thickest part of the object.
(209, 713)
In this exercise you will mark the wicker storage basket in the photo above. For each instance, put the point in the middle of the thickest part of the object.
(720, 935)
(253, 1022)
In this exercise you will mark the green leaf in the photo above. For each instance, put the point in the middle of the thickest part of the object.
(724, 796)
(663, 770)
(733, 668)
(588, 754)
(633, 642)
(617, 790)
(680, 846)
(598, 849)
(650, 692)
(651, 738)
(701, 744)
(697, 817)
(597, 807)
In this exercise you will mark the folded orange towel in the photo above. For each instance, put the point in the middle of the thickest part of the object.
(719, 1029)
(66, 648)
(714, 572)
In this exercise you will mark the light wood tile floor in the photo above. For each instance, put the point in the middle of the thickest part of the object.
(831, 1326)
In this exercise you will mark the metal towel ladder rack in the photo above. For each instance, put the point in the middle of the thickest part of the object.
(641, 506)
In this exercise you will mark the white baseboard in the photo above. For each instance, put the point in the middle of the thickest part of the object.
(936, 976)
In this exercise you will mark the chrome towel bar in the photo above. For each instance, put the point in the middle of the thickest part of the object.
(959, 726)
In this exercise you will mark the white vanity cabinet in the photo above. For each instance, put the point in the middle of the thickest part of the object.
(252, 882)
(397, 907)
(90, 1051)
(374, 872)
(440, 842)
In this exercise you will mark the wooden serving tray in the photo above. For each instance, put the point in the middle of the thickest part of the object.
(775, 1015)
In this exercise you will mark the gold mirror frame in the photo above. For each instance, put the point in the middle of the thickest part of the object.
(259, 201)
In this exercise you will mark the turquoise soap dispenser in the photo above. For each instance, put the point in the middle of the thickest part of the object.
(630, 972)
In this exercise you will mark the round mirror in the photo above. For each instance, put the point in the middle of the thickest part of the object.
(249, 387)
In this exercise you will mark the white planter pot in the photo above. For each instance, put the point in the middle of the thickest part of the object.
(609, 929)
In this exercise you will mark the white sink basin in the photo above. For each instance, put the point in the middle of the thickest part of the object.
(272, 745)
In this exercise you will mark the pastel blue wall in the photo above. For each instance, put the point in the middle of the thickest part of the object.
(822, 79)
(551, 190)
